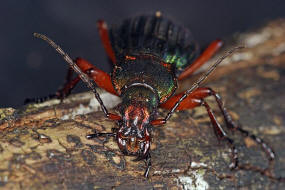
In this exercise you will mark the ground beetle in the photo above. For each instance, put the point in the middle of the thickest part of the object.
(150, 55)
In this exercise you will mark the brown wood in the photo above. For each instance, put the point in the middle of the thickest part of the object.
(40, 150)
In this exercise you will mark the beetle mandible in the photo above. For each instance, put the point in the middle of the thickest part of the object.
(150, 54)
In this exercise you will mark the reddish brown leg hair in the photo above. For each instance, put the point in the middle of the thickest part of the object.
(204, 57)
(103, 31)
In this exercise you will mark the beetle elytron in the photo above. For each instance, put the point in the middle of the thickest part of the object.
(150, 55)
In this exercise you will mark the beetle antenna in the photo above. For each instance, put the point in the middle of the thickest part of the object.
(200, 80)
(73, 65)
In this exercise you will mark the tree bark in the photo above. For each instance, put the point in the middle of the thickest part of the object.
(44, 146)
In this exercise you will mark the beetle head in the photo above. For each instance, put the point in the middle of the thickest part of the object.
(134, 137)
(139, 103)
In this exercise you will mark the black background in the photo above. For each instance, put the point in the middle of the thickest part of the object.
(31, 68)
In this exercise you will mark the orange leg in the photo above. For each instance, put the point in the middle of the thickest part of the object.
(204, 57)
(83, 68)
(103, 31)
(195, 99)
(102, 79)
(68, 85)
(192, 101)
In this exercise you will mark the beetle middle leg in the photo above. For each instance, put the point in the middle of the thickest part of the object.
(101, 78)
(196, 98)
(85, 76)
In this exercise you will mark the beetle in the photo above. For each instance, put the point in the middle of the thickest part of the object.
(150, 54)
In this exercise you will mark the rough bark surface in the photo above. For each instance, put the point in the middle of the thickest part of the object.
(43, 146)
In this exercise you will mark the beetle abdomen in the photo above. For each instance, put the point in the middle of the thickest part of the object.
(154, 35)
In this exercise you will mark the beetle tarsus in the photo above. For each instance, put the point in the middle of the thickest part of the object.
(148, 165)
(221, 134)
(230, 124)
(96, 135)
(39, 99)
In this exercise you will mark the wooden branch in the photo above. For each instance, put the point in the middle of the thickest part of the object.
(44, 146)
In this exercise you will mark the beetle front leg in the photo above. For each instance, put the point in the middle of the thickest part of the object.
(96, 135)
(148, 165)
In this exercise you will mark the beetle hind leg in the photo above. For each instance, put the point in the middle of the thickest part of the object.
(204, 57)
(103, 32)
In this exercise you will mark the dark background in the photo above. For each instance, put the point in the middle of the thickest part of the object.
(31, 68)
